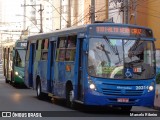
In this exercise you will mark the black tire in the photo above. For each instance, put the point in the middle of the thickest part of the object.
(69, 97)
(39, 90)
(126, 108)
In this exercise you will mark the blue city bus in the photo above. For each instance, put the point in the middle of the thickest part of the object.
(100, 64)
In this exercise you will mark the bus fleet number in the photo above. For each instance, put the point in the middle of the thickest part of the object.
(141, 87)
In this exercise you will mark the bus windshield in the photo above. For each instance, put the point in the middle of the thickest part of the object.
(121, 59)
(20, 58)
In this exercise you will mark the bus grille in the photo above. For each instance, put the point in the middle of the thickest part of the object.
(123, 92)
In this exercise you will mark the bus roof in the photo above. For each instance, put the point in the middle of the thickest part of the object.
(78, 29)
(70, 30)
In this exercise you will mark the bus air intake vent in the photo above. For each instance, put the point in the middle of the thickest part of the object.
(118, 92)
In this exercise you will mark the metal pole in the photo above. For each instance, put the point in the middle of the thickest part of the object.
(41, 21)
(24, 19)
(60, 13)
(135, 12)
(69, 14)
(92, 11)
(125, 13)
(41, 10)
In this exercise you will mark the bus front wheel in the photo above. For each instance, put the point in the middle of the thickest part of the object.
(39, 91)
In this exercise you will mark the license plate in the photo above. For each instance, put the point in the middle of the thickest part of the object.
(124, 100)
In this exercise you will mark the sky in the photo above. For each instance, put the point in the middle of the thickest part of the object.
(10, 9)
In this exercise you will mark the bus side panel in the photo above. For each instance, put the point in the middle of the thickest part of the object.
(50, 64)
(29, 67)
(69, 74)
(42, 70)
(35, 73)
(59, 84)
(26, 73)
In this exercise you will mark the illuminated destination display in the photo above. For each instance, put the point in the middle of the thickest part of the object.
(121, 31)
(22, 44)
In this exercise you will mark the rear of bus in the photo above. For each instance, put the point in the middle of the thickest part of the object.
(120, 66)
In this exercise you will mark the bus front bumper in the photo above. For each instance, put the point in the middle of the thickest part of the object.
(99, 99)
(19, 80)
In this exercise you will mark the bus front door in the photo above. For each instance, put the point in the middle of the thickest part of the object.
(31, 65)
(80, 71)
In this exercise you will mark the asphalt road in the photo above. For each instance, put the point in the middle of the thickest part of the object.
(22, 100)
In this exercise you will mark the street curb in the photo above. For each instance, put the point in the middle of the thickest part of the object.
(156, 108)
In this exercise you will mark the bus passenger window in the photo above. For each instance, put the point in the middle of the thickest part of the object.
(61, 49)
(62, 42)
(71, 42)
(61, 55)
(46, 43)
(70, 54)
(71, 48)
(44, 48)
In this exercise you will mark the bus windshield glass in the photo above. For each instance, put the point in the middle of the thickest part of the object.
(20, 58)
(121, 59)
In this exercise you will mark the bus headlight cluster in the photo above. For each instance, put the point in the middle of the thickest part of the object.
(151, 87)
(16, 73)
(91, 85)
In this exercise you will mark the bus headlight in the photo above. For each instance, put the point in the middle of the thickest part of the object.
(151, 87)
(16, 73)
(92, 86)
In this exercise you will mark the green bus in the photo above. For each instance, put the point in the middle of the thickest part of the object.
(14, 62)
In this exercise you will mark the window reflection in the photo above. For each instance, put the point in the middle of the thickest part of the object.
(121, 59)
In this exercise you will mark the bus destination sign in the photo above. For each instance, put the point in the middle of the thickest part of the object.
(122, 31)
(22, 44)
